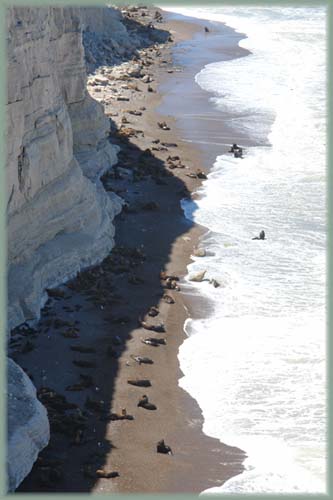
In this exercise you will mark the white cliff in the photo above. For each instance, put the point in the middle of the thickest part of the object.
(28, 426)
(59, 215)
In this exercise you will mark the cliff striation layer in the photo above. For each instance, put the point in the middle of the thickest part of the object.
(59, 215)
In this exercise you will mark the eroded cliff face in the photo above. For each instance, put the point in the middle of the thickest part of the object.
(59, 216)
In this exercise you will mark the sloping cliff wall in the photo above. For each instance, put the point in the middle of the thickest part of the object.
(59, 216)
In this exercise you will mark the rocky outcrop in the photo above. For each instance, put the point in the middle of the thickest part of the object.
(28, 425)
(59, 215)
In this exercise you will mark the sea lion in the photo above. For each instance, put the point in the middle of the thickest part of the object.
(233, 148)
(154, 328)
(261, 236)
(144, 403)
(153, 342)
(161, 447)
(171, 284)
(206, 29)
(153, 311)
(139, 382)
(168, 299)
(142, 359)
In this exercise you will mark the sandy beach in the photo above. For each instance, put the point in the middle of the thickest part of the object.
(95, 319)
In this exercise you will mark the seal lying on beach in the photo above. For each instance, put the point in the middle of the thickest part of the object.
(153, 342)
(163, 448)
(171, 284)
(139, 382)
(144, 403)
(168, 299)
(154, 328)
(142, 359)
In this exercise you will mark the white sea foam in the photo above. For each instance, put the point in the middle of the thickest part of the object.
(262, 351)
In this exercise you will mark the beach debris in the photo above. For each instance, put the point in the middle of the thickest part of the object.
(168, 299)
(142, 359)
(139, 382)
(150, 89)
(122, 98)
(163, 125)
(199, 252)
(83, 349)
(153, 342)
(161, 447)
(83, 364)
(191, 175)
(144, 403)
(198, 276)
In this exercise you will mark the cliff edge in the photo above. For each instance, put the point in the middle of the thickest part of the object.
(59, 215)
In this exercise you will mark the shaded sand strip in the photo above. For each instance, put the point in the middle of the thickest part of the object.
(100, 313)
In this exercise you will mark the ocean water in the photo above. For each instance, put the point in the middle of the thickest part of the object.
(257, 364)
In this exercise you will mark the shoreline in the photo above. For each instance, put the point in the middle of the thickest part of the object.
(129, 447)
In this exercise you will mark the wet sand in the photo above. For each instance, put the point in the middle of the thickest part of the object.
(104, 304)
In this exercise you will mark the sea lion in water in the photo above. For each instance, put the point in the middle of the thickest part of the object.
(163, 448)
(238, 153)
(233, 148)
(261, 236)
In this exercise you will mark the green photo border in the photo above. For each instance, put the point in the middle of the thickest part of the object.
(4, 4)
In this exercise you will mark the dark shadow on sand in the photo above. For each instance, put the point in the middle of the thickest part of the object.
(115, 292)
